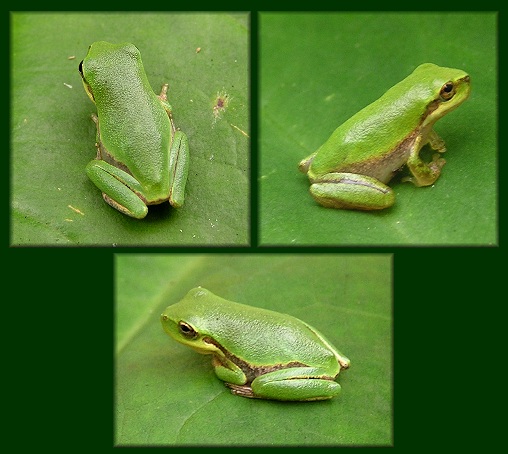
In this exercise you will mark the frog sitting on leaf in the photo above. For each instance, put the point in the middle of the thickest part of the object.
(142, 159)
(352, 168)
(258, 353)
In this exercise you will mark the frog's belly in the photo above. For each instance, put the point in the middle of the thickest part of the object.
(384, 167)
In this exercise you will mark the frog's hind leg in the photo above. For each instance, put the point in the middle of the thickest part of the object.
(295, 383)
(351, 191)
(178, 168)
(178, 156)
(119, 189)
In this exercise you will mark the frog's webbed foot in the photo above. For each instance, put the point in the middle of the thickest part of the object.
(425, 174)
(163, 97)
(241, 390)
(351, 191)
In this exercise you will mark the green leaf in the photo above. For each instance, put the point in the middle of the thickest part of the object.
(200, 56)
(166, 393)
(317, 70)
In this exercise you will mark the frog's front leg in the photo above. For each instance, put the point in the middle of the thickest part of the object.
(178, 156)
(425, 174)
(227, 371)
(119, 189)
(296, 383)
(436, 142)
(351, 191)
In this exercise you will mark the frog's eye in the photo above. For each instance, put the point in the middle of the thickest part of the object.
(187, 330)
(447, 91)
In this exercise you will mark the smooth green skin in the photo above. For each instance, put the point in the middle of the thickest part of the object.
(351, 169)
(141, 158)
(258, 353)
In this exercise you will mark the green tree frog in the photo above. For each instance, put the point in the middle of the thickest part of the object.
(141, 158)
(258, 353)
(351, 169)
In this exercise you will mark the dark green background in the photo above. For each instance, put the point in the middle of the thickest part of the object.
(448, 332)
(318, 69)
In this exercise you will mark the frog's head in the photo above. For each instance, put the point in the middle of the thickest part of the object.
(102, 58)
(186, 322)
(448, 88)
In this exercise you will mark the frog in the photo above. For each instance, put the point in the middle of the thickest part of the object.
(351, 170)
(142, 158)
(258, 353)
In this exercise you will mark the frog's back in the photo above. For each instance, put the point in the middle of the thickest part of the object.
(132, 119)
(264, 337)
(376, 130)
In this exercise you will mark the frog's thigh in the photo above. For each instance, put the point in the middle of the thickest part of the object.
(295, 384)
(178, 168)
(351, 191)
(118, 188)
